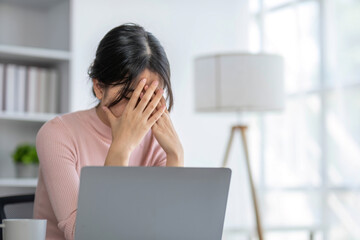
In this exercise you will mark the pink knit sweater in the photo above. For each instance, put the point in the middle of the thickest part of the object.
(64, 145)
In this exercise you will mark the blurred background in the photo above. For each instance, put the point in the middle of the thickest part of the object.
(305, 159)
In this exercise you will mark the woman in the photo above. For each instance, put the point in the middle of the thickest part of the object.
(129, 127)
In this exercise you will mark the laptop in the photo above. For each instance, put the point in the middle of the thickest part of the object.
(145, 203)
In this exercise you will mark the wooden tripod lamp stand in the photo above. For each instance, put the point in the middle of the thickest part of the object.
(243, 82)
(242, 129)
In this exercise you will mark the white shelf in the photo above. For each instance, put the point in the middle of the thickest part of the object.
(18, 182)
(33, 54)
(29, 117)
(33, 3)
(250, 231)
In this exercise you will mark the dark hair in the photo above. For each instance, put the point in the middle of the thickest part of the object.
(125, 52)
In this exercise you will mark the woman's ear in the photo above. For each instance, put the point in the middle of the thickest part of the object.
(98, 89)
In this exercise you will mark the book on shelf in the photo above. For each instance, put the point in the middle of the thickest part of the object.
(16, 87)
(32, 79)
(52, 91)
(10, 85)
(2, 90)
(28, 89)
(20, 88)
(42, 89)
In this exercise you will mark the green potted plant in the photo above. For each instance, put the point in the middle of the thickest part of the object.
(26, 161)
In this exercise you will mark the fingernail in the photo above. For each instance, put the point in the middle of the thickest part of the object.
(143, 80)
(146, 87)
(156, 83)
(141, 95)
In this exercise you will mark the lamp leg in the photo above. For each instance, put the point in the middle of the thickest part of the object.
(228, 147)
(252, 186)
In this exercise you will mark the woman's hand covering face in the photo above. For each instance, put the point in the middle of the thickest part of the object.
(137, 118)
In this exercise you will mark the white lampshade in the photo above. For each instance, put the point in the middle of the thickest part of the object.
(239, 82)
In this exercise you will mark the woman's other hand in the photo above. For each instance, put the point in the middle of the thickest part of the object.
(130, 128)
(165, 134)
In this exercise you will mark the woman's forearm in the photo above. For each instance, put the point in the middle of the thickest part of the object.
(175, 160)
(117, 156)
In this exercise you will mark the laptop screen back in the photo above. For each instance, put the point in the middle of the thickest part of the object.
(159, 203)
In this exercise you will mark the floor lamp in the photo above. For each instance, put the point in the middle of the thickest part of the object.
(240, 82)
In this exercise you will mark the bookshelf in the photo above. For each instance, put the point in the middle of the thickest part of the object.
(34, 33)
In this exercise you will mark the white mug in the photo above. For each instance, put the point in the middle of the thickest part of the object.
(20, 229)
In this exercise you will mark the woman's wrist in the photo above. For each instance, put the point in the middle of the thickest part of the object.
(175, 158)
(117, 156)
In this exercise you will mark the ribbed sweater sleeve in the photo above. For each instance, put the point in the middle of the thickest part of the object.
(57, 155)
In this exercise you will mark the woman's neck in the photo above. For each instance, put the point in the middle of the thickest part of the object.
(102, 115)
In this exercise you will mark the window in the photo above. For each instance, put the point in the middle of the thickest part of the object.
(311, 156)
